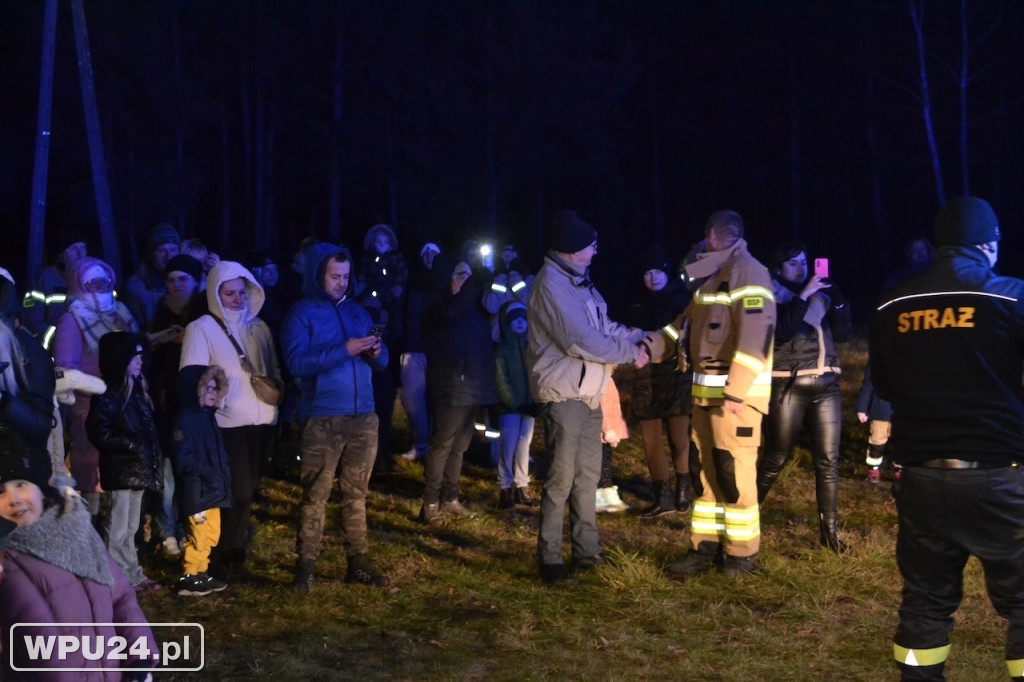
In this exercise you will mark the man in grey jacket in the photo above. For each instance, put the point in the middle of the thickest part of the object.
(573, 349)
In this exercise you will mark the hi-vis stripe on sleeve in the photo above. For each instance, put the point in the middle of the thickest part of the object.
(748, 361)
(728, 298)
(498, 288)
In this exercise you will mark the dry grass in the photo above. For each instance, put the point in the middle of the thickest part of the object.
(466, 604)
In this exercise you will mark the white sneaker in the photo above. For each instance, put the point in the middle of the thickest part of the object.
(170, 547)
(612, 500)
(601, 505)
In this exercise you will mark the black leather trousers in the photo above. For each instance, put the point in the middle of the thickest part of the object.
(807, 402)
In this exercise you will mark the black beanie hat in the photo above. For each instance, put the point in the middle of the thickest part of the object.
(571, 233)
(966, 221)
(184, 263)
(18, 460)
(160, 234)
(657, 259)
(117, 350)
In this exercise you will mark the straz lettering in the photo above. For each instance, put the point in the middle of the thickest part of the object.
(934, 318)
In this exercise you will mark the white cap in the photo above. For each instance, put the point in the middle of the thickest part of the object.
(430, 246)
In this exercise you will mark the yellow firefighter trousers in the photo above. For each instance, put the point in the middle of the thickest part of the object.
(726, 512)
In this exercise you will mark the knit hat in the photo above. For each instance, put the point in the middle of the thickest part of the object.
(657, 259)
(117, 350)
(966, 221)
(161, 234)
(184, 263)
(18, 461)
(430, 246)
(571, 233)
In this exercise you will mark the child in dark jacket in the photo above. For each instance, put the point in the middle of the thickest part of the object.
(121, 426)
(516, 405)
(201, 469)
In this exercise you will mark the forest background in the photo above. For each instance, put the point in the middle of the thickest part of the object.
(254, 123)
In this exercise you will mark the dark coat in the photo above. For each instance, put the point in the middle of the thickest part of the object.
(660, 390)
(457, 337)
(201, 470)
(513, 377)
(797, 343)
(124, 432)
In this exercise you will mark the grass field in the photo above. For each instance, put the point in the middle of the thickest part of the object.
(466, 604)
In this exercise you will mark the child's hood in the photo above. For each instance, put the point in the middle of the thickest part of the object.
(192, 380)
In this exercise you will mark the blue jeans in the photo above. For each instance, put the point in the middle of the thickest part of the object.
(514, 452)
(119, 529)
(414, 399)
(574, 435)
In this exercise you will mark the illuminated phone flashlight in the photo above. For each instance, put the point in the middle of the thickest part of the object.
(485, 250)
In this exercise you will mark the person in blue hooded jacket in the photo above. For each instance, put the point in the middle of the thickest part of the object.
(202, 472)
(330, 348)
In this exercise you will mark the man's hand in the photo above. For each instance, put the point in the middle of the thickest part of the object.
(375, 350)
(862, 417)
(357, 345)
(732, 407)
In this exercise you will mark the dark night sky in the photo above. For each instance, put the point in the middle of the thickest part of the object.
(235, 120)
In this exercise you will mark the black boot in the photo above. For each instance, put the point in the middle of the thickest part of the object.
(664, 502)
(506, 498)
(829, 524)
(684, 494)
(700, 560)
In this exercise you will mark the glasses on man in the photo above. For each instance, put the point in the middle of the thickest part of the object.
(99, 285)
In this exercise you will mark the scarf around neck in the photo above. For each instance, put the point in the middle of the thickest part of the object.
(68, 541)
(95, 323)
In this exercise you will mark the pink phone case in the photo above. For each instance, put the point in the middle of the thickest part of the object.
(821, 267)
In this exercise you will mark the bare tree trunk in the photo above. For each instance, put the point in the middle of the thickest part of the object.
(334, 191)
(392, 171)
(37, 222)
(260, 169)
(92, 126)
(917, 18)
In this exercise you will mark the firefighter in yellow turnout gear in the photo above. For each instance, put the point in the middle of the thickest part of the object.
(726, 334)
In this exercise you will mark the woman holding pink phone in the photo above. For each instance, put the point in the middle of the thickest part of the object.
(812, 316)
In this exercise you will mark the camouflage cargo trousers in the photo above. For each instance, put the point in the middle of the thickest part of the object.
(342, 446)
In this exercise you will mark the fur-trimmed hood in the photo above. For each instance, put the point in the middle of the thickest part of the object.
(192, 380)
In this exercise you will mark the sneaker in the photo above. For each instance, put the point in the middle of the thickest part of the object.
(214, 584)
(874, 475)
(414, 455)
(199, 585)
(362, 572)
(739, 566)
(305, 573)
(524, 496)
(455, 508)
(600, 501)
(430, 513)
(613, 503)
(195, 585)
(170, 547)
